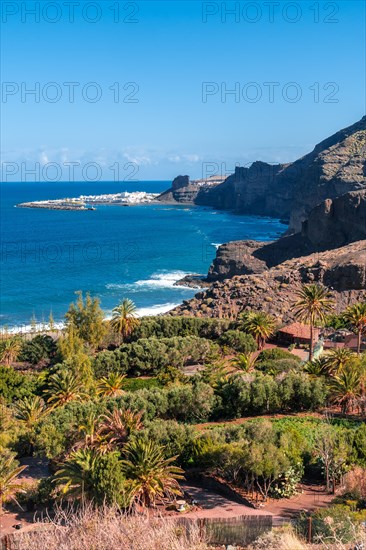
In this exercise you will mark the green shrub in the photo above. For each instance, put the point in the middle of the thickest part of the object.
(40, 347)
(238, 341)
(108, 480)
(275, 354)
(168, 327)
(108, 361)
(14, 385)
(135, 384)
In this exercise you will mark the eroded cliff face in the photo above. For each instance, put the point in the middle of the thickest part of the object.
(245, 190)
(330, 225)
(336, 222)
(336, 166)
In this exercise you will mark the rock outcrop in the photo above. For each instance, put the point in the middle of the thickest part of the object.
(274, 289)
(336, 222)
(236, 258)
(180, 191)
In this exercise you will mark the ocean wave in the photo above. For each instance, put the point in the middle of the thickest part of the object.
(155, 310)
(157, 280)
(216, 245)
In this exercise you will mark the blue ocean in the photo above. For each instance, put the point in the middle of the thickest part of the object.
(114, 252)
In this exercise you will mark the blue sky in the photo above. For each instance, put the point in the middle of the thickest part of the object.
(164, 54)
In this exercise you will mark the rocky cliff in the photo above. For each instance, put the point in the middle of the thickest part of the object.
(332, 224)
(336, 222)
(274, 289)
(336, 166)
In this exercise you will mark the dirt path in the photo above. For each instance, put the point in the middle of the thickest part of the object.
(10, 521)
(312, 496)
(213, 505)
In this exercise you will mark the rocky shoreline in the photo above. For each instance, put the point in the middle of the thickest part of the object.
(330, 250)
(274, 290)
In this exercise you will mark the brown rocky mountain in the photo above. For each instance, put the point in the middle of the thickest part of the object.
(330, 249)
(274, 289)
(336, 166)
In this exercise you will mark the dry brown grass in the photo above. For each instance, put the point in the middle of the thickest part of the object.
(107, 529)
(355, 482)
(279, 540)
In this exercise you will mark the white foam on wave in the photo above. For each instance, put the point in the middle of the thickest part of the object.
(38, 328)
(158, 280)
(155, 310)
(216, 245)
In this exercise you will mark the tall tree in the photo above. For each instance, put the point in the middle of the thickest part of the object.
(152, 475)
(74, 354)
(51, 322)
(124, 318)
(314, 302)
(356, 317)
(346, 388)
(88, 319)
(333, 450)
(260, 325)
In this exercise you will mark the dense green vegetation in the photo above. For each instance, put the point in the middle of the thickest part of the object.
(121, 409)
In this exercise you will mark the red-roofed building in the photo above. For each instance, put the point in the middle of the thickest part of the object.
(297, 333)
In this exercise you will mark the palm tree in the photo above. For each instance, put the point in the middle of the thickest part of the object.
(76, 475)
(337, 359)
(315, 301)
(64, 386)
(124, 318)
(244, 361)
(356, 317)
(260, 325)
(9, 482)
(111, 385)
(30, 410)
(90, 436)
(346, 389)
(152, 475)
(117, 426)
(9, 350)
